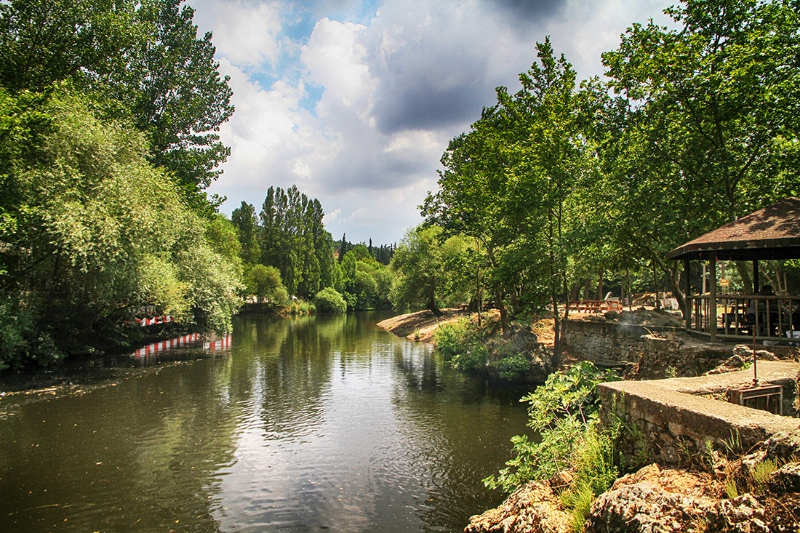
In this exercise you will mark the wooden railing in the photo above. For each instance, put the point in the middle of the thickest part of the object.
(775, 318)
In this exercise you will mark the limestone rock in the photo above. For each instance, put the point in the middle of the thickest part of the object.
(654, 500)
(532, 508)
(644, 508)
(743, 514)
(746, 352)
(786, 479)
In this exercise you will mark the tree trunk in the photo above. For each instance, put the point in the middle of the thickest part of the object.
(744, 272)
(600, 287)
(675, 282)
(575, 293)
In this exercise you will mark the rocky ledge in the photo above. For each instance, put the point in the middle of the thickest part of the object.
(732, 496)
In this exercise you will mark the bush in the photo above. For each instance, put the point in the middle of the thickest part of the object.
(328, 300)
(512, 367)
(562, 411)
(461, 345)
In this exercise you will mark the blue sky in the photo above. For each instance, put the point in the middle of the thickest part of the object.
(354, 101)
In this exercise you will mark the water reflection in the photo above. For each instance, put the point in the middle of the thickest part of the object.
(308, 423)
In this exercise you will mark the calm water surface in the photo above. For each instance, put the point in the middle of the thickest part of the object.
(309, 424)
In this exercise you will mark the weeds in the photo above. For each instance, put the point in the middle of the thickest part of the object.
(564, 411)
(761, 474)
(731, 489)
(580, 502)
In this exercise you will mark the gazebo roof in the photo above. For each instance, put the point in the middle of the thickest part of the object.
(769, 233)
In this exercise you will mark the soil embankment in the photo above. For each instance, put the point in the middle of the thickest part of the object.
(421, 325)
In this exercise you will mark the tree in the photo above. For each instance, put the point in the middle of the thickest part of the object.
(419, 264)
(142, 61)
(329, 301)
(92, 232)
(473, 194)
(265, 283)
(245, 220)
(698, 116)
(550, 162)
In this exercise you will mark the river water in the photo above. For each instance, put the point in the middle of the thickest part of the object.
(295, 425)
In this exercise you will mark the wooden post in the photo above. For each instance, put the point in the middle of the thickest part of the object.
(756, 281)
(686, 301)
(712, 297)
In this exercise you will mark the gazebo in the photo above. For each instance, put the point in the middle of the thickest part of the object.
(769, 233)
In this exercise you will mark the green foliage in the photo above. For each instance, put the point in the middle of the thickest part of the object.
(760, 474)
(293, 239)
(20, 339)
(246, 222)
(422, 264)
(139, 60)
(265, 284)
(513, 367)
(99, 232)
(731, 489)
(328, 300)
(562, 412)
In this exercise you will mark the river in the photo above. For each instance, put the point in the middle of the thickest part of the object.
(296, 425)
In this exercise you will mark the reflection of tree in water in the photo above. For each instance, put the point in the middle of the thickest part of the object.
(136, 456)
(459, 428)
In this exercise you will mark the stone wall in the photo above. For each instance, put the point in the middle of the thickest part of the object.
(675, 421)
(600, 341)
(651, 352)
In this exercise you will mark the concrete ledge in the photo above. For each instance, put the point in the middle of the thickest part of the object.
(672, 417)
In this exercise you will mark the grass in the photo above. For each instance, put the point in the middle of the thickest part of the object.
(761, 474)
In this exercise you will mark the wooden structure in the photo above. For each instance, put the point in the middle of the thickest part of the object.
(595, 306)
(769, 233)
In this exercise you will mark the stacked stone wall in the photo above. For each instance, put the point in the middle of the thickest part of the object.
(676, 424)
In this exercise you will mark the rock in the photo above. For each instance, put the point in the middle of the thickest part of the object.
(743, 514)
(642, 507)
(735, 361)
(786, 479)
(732, 364)
(611, 315)
(532, 508)
(655, 500)
(746, 352)
(783, 446)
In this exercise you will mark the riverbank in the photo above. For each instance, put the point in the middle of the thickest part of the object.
(694, 479)
(421, 325)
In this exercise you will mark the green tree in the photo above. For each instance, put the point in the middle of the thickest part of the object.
(245, 220)
(550, 163)
(143, 62)
(698, 128)
(93, 232)
(265, 283)
(328, 300)
(419, 265)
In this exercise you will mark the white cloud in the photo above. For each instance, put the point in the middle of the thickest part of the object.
(246, 34)
(392, 90)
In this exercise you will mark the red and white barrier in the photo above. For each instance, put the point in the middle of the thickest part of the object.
(162, 346)
(218, 345)
(164, 319)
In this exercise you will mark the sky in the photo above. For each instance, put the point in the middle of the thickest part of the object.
(354, 101)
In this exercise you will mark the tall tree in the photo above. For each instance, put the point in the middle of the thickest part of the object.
(700, 116)
(550, 162)
(142, 59)
(245, 220)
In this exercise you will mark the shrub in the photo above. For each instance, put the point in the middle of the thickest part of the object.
(461, 345)
(512, 367)
(562, 411)
(328, 300)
